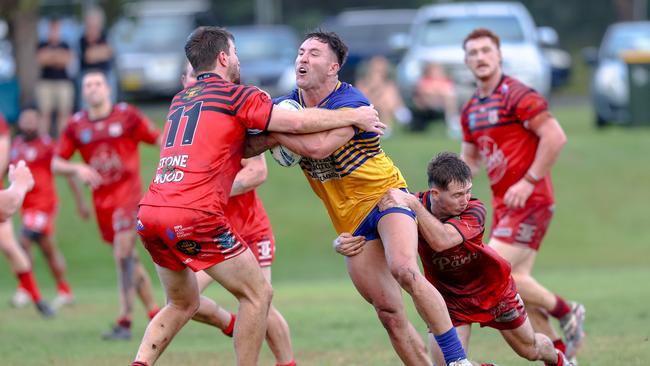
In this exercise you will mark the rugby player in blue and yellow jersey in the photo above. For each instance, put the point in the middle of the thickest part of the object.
(349, 172)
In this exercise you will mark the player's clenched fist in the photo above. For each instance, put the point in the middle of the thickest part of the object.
(367, 119)
(21, 176)
(349, 245)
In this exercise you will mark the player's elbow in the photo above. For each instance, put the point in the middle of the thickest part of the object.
(318, 150)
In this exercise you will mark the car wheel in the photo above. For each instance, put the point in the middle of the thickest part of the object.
(601, 122)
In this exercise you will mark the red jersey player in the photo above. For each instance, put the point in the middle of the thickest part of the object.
(182, 222)
(21, 182)
(107, 137)
(472, 278)
(248, 217)
(40, 205)
(508, 126)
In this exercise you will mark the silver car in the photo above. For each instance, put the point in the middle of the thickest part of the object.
(609, 86)
(438, 33)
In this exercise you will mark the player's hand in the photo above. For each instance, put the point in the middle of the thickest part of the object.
(21, 176)
(367, 119)
(349, 245)
(394, 198)
(84, 211)
(517, 195)
(89, 176)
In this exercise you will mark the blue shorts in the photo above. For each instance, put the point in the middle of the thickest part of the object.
(368, 227)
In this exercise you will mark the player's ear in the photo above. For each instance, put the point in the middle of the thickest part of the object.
(222, 59)
(334, 68)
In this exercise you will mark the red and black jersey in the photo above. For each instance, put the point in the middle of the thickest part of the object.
(37, 154)
(470, 272)
(499, 126)
(203, 143)
(110, 146)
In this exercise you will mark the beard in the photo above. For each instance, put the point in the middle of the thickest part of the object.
(234, 75)
(29, 135)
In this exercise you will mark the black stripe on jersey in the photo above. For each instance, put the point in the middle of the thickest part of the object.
(218, 109)
(479, 207)
(243, 98)
(492, 126)
(457, 229)
(476, 213)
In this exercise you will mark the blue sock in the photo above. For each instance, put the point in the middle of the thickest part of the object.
(450, 345)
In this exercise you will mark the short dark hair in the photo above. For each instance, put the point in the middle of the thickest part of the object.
(95, 71)
(204, 44)
(480, 33)
(334, 42)
(445, 168)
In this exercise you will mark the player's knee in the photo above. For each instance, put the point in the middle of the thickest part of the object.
(405, 275)
(391, 319)
(189, 306)
(527, 350)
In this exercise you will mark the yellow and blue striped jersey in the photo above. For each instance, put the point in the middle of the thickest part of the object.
(353, 179)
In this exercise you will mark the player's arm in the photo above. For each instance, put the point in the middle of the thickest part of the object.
(318, 119)
(5, 144)
(551, 141)
(82, 206)
(82, 171)
(21, 182)
(257, 144)
(316, 145)
(470, 155)
(439, 236)
(252, 174)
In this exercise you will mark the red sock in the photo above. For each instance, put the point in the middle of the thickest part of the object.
(153, 312)
(124, 322)
(27, 282)
(231, 326)
(559, 362)
(561, 308)
(63, 288)
(559, 345)
(291, 363)
(139, 363)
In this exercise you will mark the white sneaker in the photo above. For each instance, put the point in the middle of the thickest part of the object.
(62, 300)
(20, 299)
(572, 327)
(463, 362)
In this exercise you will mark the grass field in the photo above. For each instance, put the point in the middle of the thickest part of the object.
(597, 251)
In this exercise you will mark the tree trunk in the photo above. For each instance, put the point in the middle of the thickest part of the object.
(25, 39)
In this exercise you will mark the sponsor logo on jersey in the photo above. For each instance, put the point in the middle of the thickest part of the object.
(493, 116)
(86, 135)
(454, 261)
(495, 160)
(167, 172)
(193, 91)
(115, 129)
(188, 247)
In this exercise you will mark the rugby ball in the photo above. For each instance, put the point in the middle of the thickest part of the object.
(281, 154)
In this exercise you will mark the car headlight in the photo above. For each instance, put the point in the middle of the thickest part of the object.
(611, 81)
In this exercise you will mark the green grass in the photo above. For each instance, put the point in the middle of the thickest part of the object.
(596, 251)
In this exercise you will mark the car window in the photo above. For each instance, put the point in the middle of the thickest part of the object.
(626, 39)
(153, 33)
(452, 31)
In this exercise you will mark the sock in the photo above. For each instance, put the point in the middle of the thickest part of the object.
(139, 363)
(231, 326)
(63, 288)
(27, 282)
(450, 345)
(124, 322)
(561, 308)
(290, 363)
(559, 345)
(151, 313)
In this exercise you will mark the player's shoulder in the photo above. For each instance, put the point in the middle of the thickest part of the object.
(476, 208)
(347, 96)
(510, 85)
(475, 202)
(78, 118)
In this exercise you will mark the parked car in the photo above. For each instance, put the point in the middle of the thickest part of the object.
(609, 83)
(148, 45)
(8, 82)
(266, 56)
(438, 33)
(369, 33)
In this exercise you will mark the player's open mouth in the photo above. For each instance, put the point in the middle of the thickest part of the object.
(302, 70)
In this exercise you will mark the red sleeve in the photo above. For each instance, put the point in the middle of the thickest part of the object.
(144, 129)
(529, 105)
(471, 222)
(254, 109)
(464, 123)
(67, 143)
(4, 127)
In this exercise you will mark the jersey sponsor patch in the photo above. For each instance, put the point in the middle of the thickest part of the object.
(188, 247)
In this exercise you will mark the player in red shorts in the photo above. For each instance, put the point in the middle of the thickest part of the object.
(248, 217)
(508, 126)
(21, 182)
(40, 205)
(182, 220)
(472, 278)
(107, 137)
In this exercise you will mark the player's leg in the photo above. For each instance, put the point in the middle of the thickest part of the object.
(21, 297)
(125, 264)
(242, 277)
(21, 266)
(278, 336)
(399, 235)
(143, 287)
(209, 311)
(372, 278)
(182, 301)
(532, 346)
(464, 331)
(56, 263)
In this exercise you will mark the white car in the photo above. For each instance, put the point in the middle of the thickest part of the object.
(439, 30)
